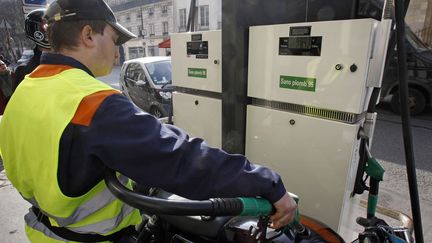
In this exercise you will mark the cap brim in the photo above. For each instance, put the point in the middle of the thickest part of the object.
(123, 33)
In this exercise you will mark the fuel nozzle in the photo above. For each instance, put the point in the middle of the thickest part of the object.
(296, 228)
(296, 220)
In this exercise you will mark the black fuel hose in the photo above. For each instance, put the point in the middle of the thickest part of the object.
(212, 207)
(400, 7)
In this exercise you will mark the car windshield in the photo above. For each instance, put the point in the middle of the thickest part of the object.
(160, 72)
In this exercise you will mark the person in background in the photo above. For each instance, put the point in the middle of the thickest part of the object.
(2, 58)
(5, 86)
(35, 31)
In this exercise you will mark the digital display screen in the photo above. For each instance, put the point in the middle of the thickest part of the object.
(197, 48)
(299, 43)
(300, 30)
(300, 46)
(196, 37)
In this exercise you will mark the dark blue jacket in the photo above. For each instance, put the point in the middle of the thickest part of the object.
(118, 135)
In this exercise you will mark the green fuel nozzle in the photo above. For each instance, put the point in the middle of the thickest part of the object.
(376, 173)
(296, 220)
(255, 207)
(262, 207)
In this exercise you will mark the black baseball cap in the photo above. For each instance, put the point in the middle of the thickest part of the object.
(73, 10)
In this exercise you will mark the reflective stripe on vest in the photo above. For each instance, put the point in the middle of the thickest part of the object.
(31, 220)
(37, 115)
(100, 200)
(106, 226)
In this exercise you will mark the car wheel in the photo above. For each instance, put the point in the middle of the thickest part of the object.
(416, 101)
(156, 112)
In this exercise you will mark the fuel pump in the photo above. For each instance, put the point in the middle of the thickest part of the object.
(309, 85)
(196, 72)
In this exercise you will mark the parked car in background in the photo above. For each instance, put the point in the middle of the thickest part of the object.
(25, 56)
(147, 82)
(419, 68)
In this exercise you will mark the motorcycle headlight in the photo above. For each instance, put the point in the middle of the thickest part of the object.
(165, 95)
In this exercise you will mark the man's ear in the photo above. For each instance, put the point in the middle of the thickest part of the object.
(87, 37)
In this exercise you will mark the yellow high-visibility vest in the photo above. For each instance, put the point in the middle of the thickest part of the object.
(30, 132)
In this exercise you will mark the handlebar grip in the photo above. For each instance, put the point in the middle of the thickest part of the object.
(256, 207)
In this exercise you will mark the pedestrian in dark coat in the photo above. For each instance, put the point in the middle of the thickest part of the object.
(2, 58)
(5, 86)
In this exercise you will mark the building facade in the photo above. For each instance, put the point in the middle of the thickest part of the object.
(150, 20)
(208, 15)
(153, 20)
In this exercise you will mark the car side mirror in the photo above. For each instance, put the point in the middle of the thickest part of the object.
(141, 83)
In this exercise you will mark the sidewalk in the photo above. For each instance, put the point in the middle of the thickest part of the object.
(393, 194)
(12, 210)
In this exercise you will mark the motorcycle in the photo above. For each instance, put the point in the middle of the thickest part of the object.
(171, 218)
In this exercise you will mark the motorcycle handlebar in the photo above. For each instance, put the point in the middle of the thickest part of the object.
(211, 207)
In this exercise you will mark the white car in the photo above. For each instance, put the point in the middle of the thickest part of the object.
(147, 82)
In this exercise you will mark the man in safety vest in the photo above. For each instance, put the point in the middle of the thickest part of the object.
(63, 127)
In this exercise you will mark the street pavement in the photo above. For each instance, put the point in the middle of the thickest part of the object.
(388, 138)
(12, 211)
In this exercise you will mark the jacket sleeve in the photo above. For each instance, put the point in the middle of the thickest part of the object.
(158, 155)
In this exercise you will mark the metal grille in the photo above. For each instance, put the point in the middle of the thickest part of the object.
(204, 93)
(340, 116)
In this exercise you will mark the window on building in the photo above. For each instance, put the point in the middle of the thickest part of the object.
(151, 29)
(182, 16)
(150, 11)
(128, 17)
(139, 15)
(136, 52)
(153, 50)
(164, 9)
(204, 16)
(165, 28)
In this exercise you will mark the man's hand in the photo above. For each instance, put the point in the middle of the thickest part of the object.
(285, 212)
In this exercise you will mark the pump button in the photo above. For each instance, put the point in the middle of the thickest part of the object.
(338, 67)
(353, 68)
(196, 102)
